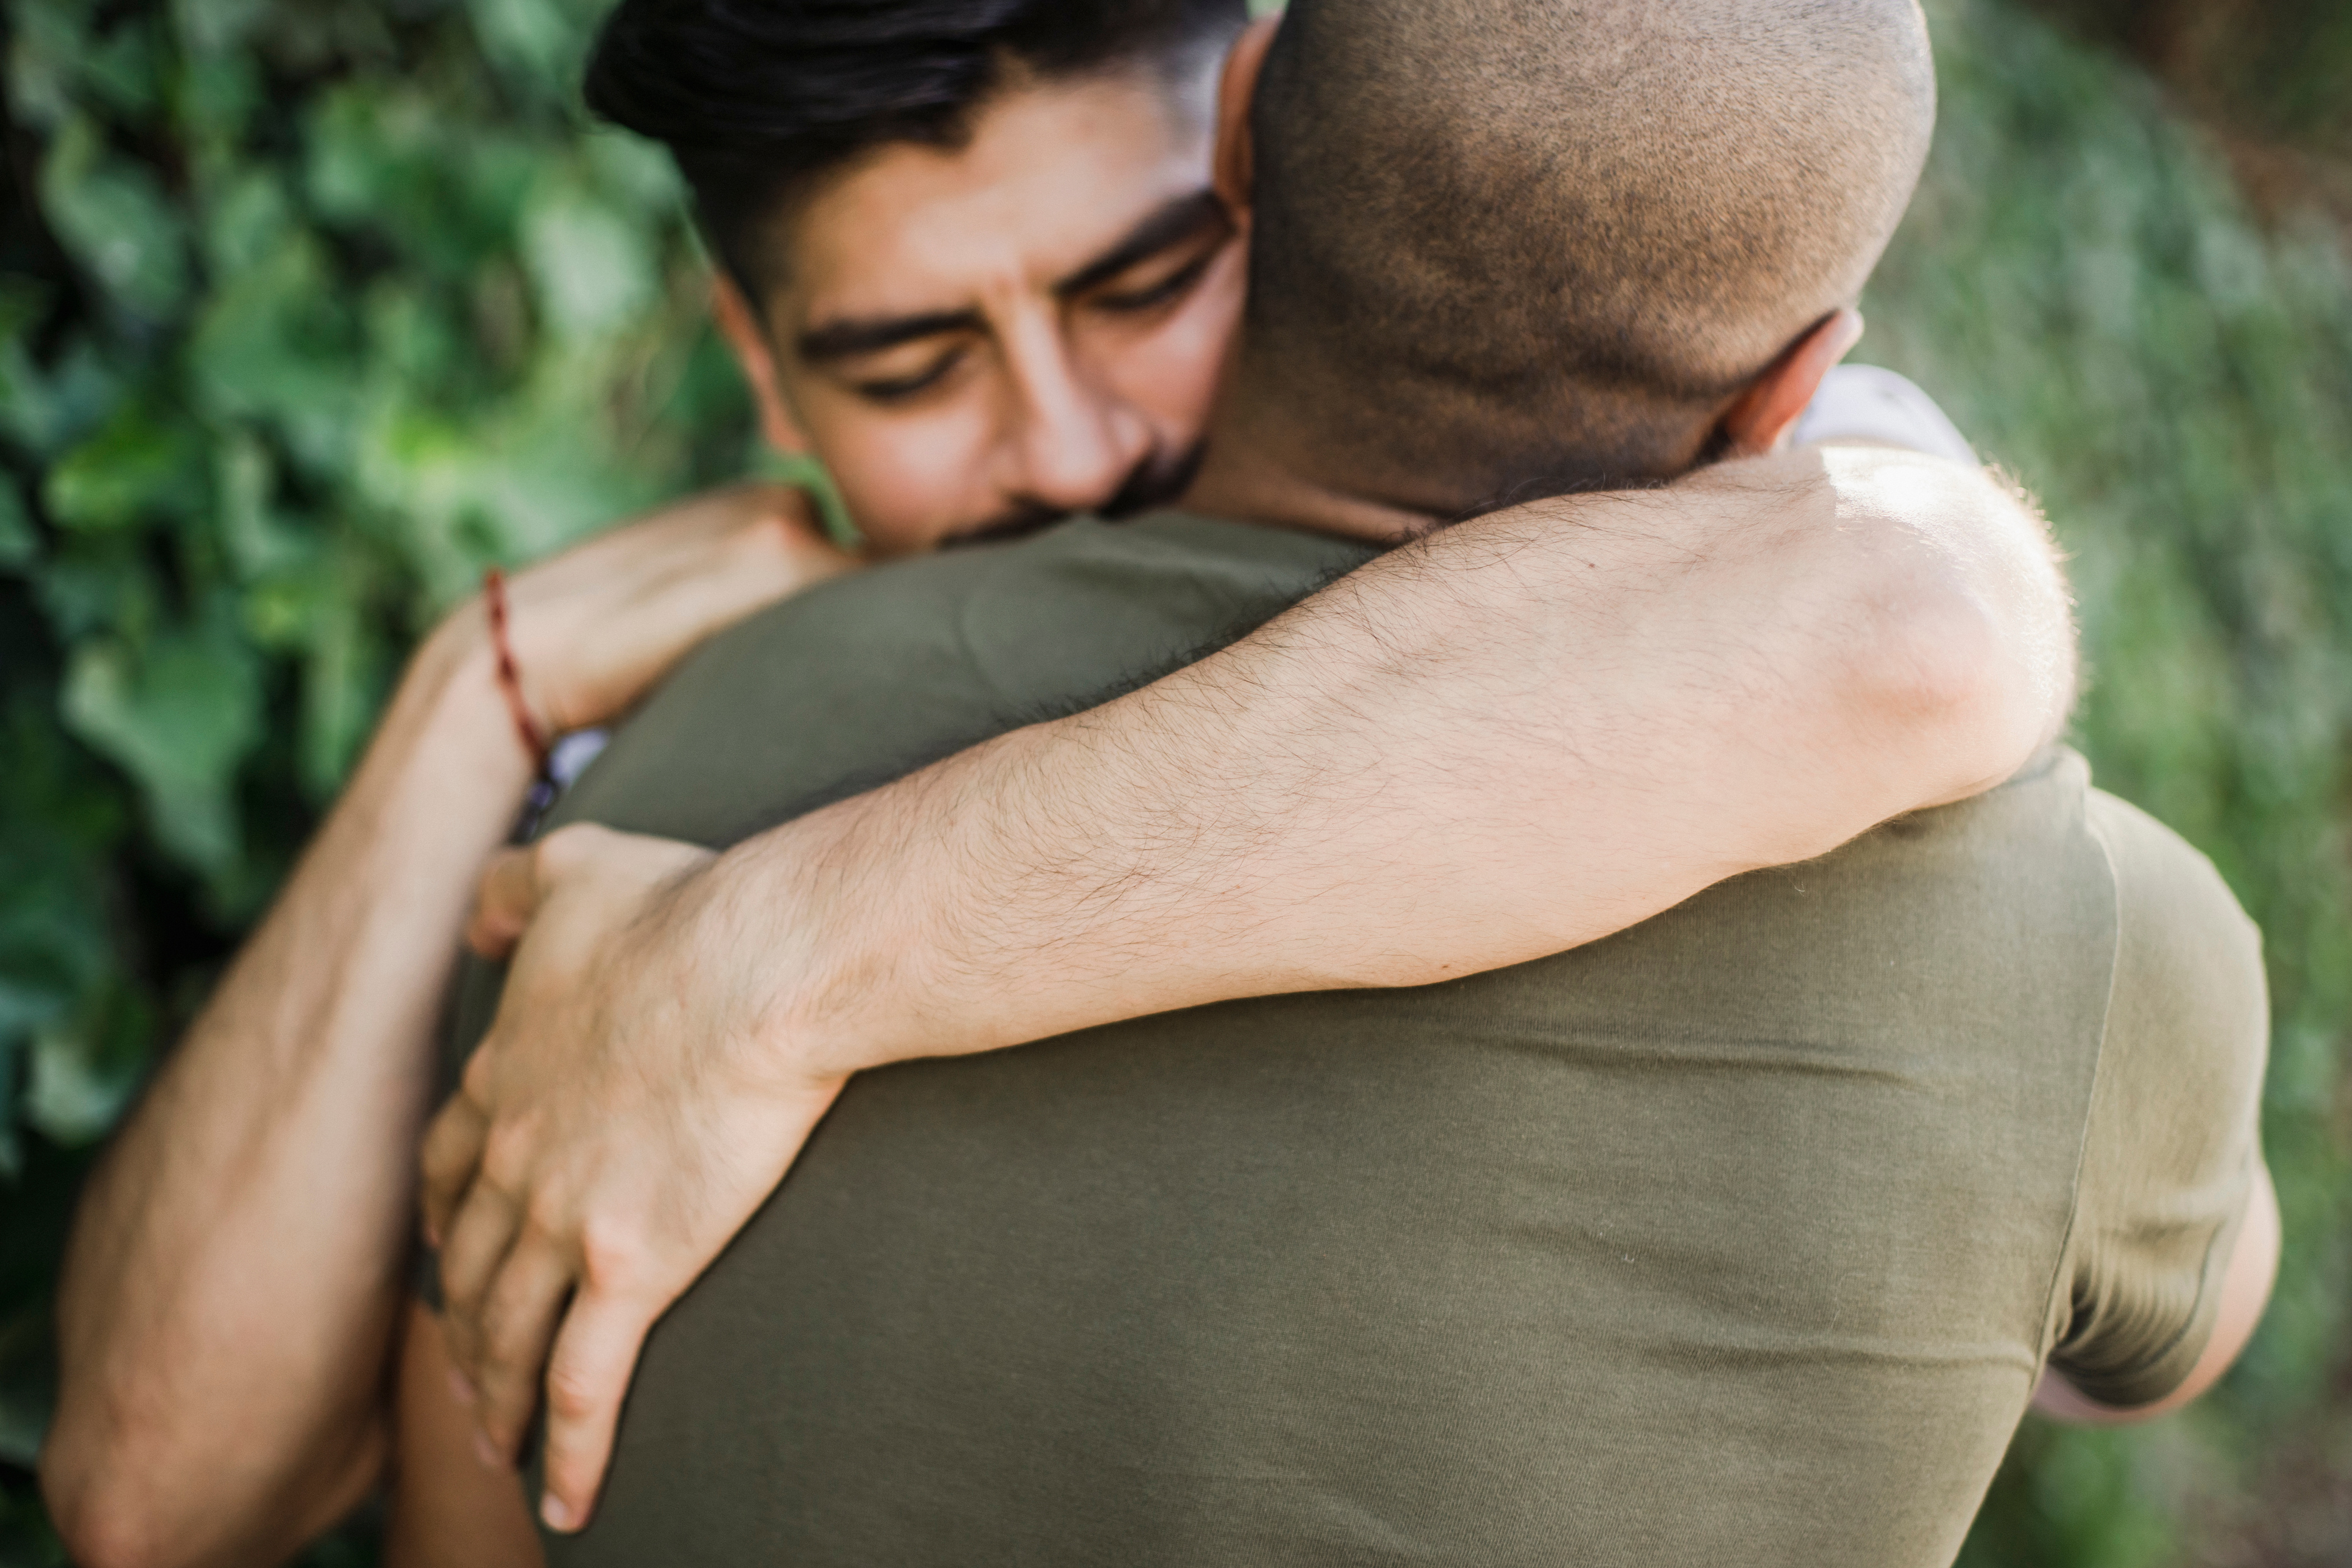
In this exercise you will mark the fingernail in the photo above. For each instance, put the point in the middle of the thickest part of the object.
(488, 1452)
(554, 1512)
(460, 1386)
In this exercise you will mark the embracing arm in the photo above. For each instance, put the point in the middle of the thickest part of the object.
(1514, 736)
(230, 1290)
(231, 1284)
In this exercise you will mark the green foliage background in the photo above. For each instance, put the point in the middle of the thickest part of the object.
(311, 309)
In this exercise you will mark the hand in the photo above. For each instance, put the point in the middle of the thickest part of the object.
(620, 1124)
(596, 626)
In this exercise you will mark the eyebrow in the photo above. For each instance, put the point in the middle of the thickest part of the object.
(1181, 218)
(1172, 221)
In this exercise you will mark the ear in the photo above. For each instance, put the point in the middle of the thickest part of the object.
(1761, 418)
(1234, 170)
(739, 325)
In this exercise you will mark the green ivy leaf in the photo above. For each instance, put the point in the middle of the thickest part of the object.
(260, 543)
(179, 714)
(49, 39)
(122, 68)
(636, 172)
(113, 216)
(246, 223)
(591, 270)
(270, 345)
(137, 466)
(42, 412)
(537, 44)
(18, 543)
(215, 27)
(83, 1071)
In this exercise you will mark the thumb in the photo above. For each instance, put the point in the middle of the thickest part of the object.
(504, 905)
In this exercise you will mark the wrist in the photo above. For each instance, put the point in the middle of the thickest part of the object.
(450, 708)
(841, 925)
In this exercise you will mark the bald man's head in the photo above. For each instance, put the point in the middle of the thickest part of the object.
(1506, 245)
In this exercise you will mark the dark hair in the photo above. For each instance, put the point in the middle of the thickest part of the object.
(757, 99)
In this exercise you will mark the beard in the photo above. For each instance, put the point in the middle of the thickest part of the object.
(1154, 483)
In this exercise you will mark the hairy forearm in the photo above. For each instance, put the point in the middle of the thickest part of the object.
(1517, 735)
(230, 1286)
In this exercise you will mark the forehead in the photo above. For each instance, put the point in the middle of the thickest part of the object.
(1054, 176)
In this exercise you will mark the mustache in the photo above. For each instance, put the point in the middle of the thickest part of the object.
(1155, 481)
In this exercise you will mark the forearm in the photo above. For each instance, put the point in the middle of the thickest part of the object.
(1518, 736)
(230, 1290)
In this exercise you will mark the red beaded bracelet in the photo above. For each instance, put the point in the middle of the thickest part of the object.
(494, 595)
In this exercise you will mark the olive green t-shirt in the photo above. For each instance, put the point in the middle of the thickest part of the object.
(1739, 1237)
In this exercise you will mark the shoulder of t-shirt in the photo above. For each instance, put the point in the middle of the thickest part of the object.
(866, 677)
(2173, 1133)
(2188, 1020)
(2183, 937)
(1156, 565)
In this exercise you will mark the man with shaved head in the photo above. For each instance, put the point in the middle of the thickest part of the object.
(1742, 1235)
(1565, 236)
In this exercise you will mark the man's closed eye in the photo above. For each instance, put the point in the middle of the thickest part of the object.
(1151, 293)
(888, 389)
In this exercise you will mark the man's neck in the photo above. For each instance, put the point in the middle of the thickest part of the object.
(1255, 470)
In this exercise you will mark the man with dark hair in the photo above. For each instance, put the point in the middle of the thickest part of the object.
(766, 107)
(1742, 1234)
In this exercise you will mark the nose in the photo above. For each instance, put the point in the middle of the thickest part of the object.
(1069, 442)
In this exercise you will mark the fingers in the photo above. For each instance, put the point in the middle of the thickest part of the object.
(479, 1242)
(453, 1148)
(595, 1352)
(518, 1322)
(509, 895)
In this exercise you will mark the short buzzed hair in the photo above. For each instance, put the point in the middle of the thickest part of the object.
(1513, 247)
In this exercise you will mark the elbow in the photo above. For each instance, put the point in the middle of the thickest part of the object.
(1966, 690)
(127, 1492)
(1958, 630)
(111, 1497)
(102, 1519)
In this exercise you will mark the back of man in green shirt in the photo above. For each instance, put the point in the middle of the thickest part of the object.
(1742, 1236)
(1739, 1237)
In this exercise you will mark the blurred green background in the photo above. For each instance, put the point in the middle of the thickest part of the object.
(311, 309)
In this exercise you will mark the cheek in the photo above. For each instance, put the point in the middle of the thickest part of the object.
(908, 479)
(1171, 375)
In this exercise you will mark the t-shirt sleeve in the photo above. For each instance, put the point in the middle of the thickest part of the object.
(1865, 402)
(2174, 1134)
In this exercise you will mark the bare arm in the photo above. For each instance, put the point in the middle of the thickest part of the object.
(1510, 739)
(449, 1510)
(231, 1285)
(228, 1293)
(1517, 735)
